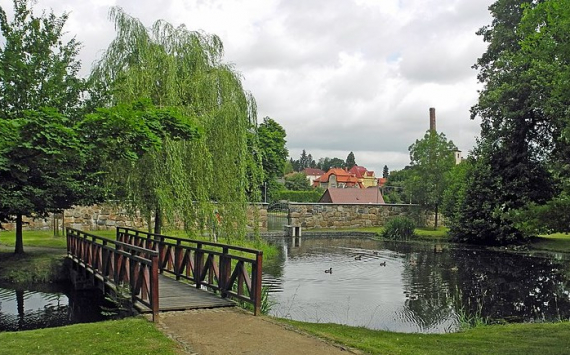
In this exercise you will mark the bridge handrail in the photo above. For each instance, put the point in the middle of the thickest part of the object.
(188, 259)
(119, 263)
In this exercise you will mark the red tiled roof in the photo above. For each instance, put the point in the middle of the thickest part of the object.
(370, 195)
(358, 171)
(313, 171)
(342, 176)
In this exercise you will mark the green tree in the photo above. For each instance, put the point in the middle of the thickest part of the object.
(454, 194)
(272, 145)
(175, 67)
(327, 163)
(38, 69)
(350, 160)
(431, 160)
(517, 134)
(43, 167)
(395, 190)
(385, 172)
(297, 182)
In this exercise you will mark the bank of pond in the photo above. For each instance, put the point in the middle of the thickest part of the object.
(401, 297)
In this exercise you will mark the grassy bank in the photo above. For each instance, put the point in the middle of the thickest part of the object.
(42, 262)
(127, 336)
(517, 339)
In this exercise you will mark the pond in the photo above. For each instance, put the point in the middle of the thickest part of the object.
(49, 306)
(412, 286)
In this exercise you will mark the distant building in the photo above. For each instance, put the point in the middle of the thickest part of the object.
(369, 195)
(313, 174)
(337, 178)
(365, 176)
(458, 157)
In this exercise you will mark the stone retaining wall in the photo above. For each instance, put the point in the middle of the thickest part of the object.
(108, 216)
(333, 216)
(307, 215)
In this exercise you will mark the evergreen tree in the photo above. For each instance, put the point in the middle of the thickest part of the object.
(350, 161)
(385, 172)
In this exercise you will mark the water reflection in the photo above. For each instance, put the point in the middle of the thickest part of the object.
(48, 306)
(422, 287)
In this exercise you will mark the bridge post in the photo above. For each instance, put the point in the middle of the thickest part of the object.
(225, 272)
(154, 287)
(256, 283)
(198, 262)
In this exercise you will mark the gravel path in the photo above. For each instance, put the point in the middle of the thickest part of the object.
(233, 331)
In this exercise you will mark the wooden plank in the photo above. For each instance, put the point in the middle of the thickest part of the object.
(177, 296)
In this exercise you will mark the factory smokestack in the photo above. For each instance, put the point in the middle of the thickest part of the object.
(432, 119)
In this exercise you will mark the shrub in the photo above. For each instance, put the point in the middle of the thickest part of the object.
(399, 228)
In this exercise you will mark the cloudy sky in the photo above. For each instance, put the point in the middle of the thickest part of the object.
(338, 75)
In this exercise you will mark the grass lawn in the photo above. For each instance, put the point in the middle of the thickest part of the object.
(559, 242)
(127, 336)
(548, 338)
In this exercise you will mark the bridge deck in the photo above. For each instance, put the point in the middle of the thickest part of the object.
(178, 296)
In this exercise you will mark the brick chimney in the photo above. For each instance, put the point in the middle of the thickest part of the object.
(432, 119)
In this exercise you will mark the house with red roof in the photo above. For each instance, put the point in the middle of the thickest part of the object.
(313, 174)
(337, 178)
(365, 176)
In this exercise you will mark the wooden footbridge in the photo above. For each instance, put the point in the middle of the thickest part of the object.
(164, 273)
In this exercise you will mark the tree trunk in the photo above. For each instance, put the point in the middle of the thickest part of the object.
(157, 221)
(436, 212)
(19, 240)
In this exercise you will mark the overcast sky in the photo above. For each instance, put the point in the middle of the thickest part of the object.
(338, 75)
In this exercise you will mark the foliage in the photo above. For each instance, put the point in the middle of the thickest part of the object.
(38, 68)
(519, 133)
(297, 182)
(396, 189)
(399, 228)
(304, 161)
(129, 136)
(385, 172)
(45, 167)
(273, 190)
(272, 145)
(175, 67)
(325, 164)
(548, 218)
(41, 162)
(288, 168)
(300, 196)
(350, 161)
(431, 161)
(454, 194)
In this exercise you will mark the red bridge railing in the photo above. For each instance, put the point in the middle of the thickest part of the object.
(230, 270)
(118, 263)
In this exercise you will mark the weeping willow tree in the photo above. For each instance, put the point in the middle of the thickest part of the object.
(204, 182)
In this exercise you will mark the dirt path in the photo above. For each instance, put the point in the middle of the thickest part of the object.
(233, 331)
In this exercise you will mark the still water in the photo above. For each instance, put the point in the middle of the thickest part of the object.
(414, 287)
(49, 306)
